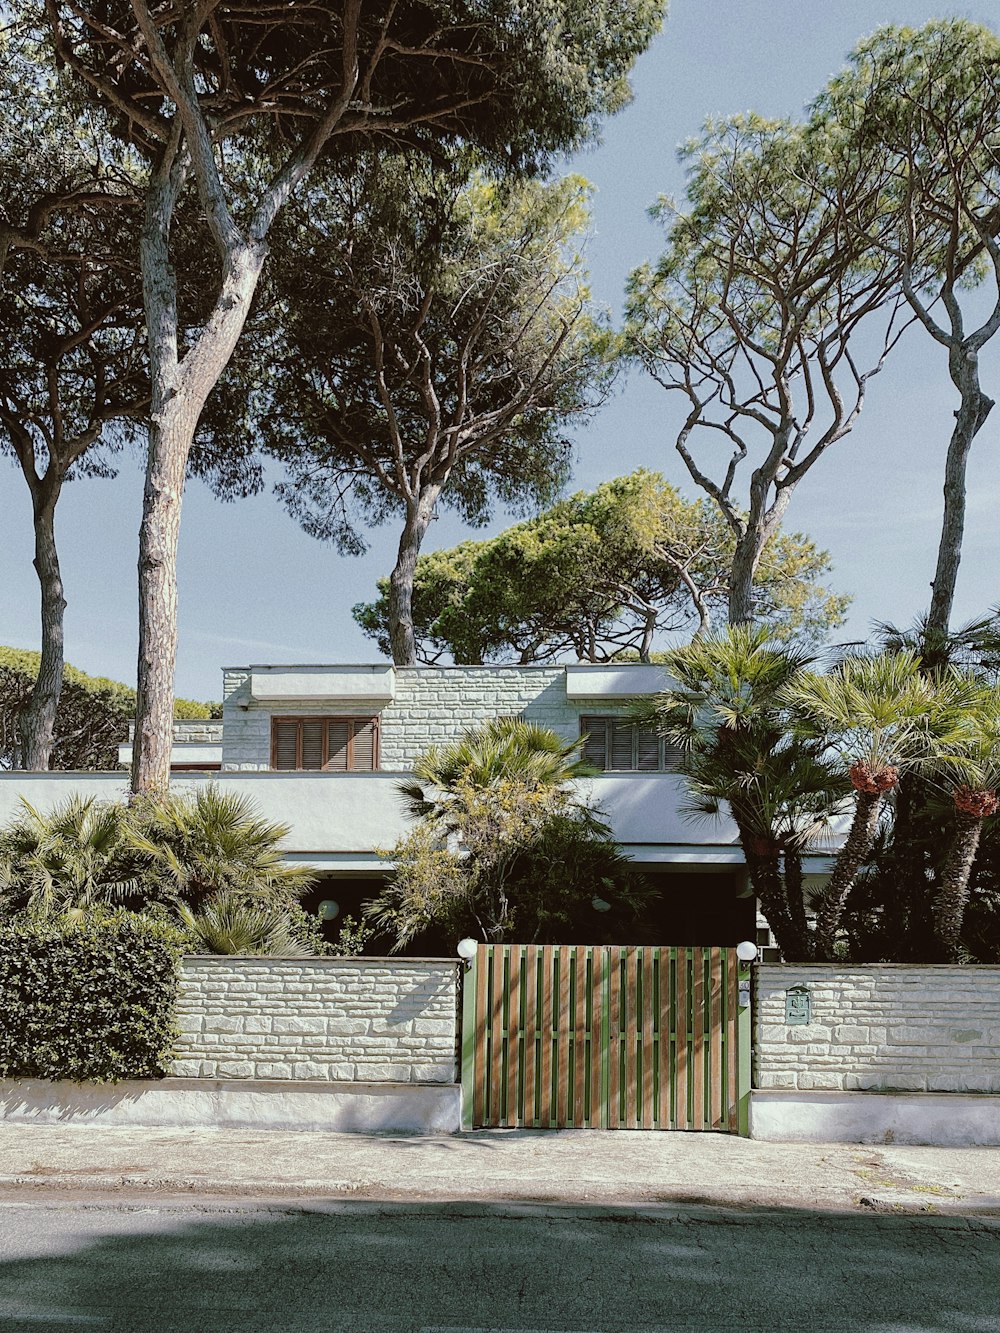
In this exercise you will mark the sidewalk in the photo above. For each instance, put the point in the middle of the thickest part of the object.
(576, 1166)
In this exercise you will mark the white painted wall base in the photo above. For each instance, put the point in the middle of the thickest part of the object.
(945, 1119)
(353, 1108)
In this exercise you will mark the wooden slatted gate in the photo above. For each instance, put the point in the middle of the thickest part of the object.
(600, 1036)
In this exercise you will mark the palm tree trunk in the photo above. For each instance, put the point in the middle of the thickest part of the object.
(855, 851)
(795, 897)
(764, 864)
(949, 905)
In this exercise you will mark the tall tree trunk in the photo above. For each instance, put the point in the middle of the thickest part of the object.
(402, 639)
(179, 389)
(744, 568)
(750, 546)
(38, 721)
(974, 408)
(855, 851)
(166, 464)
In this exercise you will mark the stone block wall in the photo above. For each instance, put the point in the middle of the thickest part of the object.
(333, 1019)
(432, 705)
(880, 1028)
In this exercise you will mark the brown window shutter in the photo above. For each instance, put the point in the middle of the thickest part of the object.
(338, 740)
(286, 733)
(647, 750)
(595, 741)
(363, 747)
(672, 756)
(622, 742)
(312, 745)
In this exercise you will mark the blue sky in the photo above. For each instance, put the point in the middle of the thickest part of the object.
(254, 588)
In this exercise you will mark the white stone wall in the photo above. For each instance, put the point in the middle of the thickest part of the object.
(432, 705)
(335, 1019)
(881, 1028)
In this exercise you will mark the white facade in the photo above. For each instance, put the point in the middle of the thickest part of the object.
(338, 820)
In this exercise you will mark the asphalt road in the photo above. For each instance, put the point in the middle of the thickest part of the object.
(440, 1268)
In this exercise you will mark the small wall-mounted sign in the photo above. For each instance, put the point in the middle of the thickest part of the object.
(798, 1005)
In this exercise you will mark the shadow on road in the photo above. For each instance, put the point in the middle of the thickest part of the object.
(358, 1266)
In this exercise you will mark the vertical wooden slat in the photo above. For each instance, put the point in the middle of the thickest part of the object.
(681, 1118)
(731, 1010)
(545, 1026)
(580, 1040)
(513, 1035)
(698, 1039)
(563, 1025)
(479, 1086)
(631, 1037)
(530, 1032)
(715, 1040)
(614, 1037)
(664, 1052)
(597, 1117)
(648, 1083)
(496, 1034)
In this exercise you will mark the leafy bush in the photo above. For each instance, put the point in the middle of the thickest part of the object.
(90, 999)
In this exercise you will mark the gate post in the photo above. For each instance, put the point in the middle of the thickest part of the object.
(468, 980)
(744, 1047)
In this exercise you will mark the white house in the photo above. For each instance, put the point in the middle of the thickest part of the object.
(322, 748)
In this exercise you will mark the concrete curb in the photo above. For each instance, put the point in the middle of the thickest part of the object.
(444, 1190)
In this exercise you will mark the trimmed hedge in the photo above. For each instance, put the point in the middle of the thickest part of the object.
(90, 1000)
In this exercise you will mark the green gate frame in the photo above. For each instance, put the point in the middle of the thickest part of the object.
(740, 1034)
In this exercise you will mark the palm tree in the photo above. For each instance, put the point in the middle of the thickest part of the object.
(503, 750)
(192, 848)
(875, 714)
(227, 924)
(726, 713)
(969, 758)
(75, 857)
(907, 873)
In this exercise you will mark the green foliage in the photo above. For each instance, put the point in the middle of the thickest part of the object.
(506, 749)
(354, 938)
(175, 856)
(504, 850)
(93, 716)
(427, 333)
(877, 711)
(729, 715)
(87, 1000)
(229, 924)
(194, 847)
(521, 83)
(71, 860)
(600, 574)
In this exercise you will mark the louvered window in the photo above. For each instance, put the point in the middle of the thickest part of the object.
(331, 744)
(615, 745)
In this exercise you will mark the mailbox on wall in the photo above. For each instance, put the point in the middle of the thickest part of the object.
(798, 1005)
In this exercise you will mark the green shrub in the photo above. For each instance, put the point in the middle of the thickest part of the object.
(90, 999)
